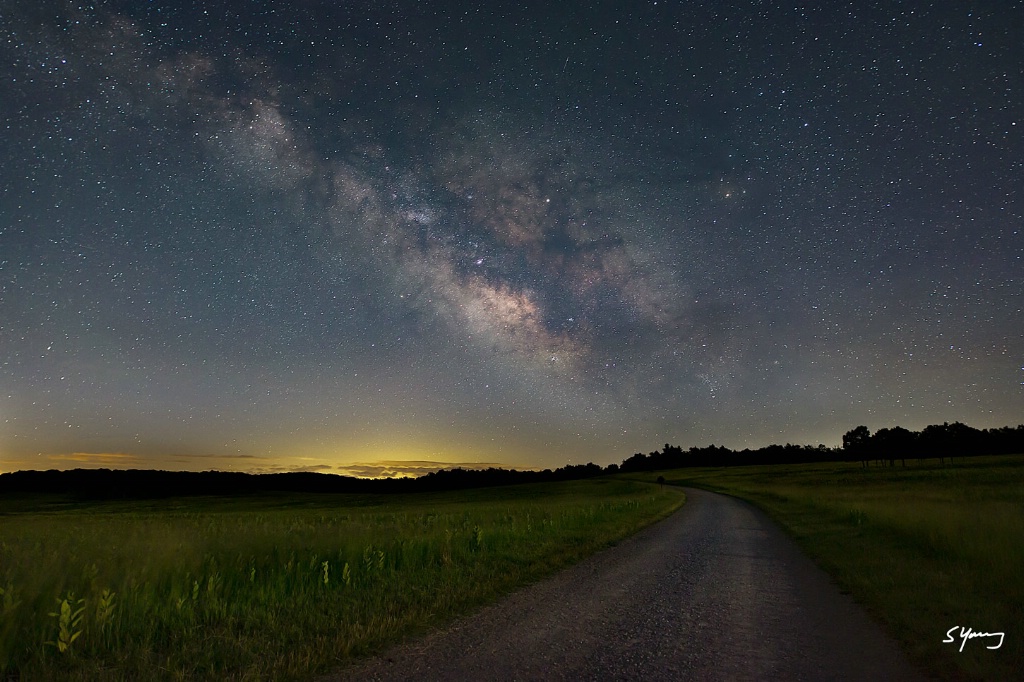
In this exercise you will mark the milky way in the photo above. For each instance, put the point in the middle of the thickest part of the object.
(375, 240)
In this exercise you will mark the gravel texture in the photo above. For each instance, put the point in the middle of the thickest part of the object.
(714, 592)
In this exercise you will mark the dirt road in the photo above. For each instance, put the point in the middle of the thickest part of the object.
(715, 592)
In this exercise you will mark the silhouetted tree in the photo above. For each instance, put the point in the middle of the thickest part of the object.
(856, 442)
(946, 440)
(894, 443)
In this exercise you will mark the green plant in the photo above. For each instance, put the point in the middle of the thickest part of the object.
(69, 622)
(105, 608)
(8, 601)
(373, 559)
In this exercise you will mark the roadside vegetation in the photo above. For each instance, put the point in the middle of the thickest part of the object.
(278, 586)
(924, 547)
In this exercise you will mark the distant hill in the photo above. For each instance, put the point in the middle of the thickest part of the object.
(86, 484)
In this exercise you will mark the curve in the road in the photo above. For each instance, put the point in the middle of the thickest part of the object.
(714, 592)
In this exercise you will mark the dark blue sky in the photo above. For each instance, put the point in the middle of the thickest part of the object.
(358, 237)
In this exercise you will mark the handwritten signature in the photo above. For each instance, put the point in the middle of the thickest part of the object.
(968, 633)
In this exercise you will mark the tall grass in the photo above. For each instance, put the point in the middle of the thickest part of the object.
(925, 547)
(278, 587)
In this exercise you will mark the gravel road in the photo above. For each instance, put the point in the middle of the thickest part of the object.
(714, 592)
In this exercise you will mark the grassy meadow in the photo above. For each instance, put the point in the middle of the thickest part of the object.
(924, 548)
(278, 587)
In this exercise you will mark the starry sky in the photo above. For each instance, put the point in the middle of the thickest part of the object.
(381, 238)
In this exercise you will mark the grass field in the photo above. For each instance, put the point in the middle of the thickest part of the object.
(924, 548)
(278, 587)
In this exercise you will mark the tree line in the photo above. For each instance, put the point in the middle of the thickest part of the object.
(885, 446)
(939, 441)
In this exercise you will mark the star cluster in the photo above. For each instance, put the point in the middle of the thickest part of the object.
(347, 236)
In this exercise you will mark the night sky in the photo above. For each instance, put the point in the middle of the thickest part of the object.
(396, 236)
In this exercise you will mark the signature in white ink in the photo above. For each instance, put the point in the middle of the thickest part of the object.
(968, 633)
